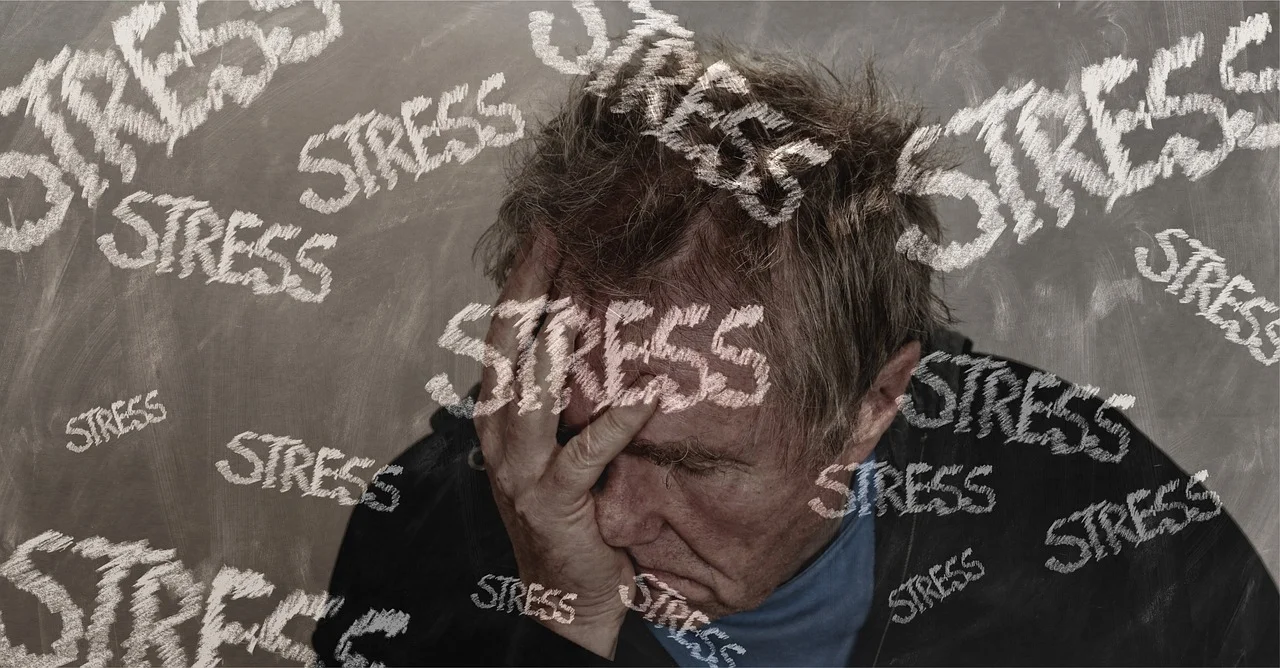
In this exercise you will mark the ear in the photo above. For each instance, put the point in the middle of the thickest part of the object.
(880, 404)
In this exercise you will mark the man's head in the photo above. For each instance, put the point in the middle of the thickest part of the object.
(714, 499)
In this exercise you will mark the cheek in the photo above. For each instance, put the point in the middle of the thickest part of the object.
(732, 511)
(754, 516)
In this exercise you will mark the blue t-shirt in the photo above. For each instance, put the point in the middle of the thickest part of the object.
(810, 620)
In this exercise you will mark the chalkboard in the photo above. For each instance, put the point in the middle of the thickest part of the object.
(224, 225)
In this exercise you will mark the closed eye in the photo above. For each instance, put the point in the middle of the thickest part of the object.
(701, 468)
(691, 456)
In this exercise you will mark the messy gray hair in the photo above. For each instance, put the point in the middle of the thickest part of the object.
(633, 221)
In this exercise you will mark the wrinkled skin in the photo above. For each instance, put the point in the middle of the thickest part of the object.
(703, 498)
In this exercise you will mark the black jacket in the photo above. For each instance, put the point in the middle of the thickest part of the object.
(1195, 593)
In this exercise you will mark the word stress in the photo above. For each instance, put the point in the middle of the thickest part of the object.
(910, 492)
(58, 94)
(307, 471)
(1014, 402)
(925, 592)
(389, 155)
(1201, 289)
(195, 217)
(603, 332)
(648, 91)
(164, 572)
(518, 597)
(1112, 517)
(668, 608)
(1042, 108)
(104, 423)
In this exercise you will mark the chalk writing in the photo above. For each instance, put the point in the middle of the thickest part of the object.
(1141, 509)
(926, 591)
(647, 90)
(605, 333)
(159, 79)
(389, 623)
(103, 423)
(202, 230)
(910, 492)
(668, 608)
(306, 470)
(163, 572)
(25, 235)
(1014, 403)
(1118, 178)
(388, 153)
(1212, 276)
(519, 597)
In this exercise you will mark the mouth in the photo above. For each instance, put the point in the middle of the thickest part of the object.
(685, 587)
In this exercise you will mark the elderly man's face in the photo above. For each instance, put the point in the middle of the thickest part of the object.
(702, 498)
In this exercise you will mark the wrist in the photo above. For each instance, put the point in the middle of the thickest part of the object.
(595, 632)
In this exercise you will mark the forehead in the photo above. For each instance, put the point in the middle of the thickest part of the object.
(738, 435)
(748, 434)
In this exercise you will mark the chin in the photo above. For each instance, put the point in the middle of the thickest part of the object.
(712, 609)
(703, 598)
(716, 608)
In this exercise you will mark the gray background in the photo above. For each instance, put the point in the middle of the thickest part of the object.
(348, 373)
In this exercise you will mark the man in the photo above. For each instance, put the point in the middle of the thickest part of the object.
(705, 440)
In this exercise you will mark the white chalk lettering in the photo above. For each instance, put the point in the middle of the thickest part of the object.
(383, 133)
(306, 470)
(921, 592)
(387, 622)
(157, 76)
(507, 600)
(1199, 506)
(124, 416)
(162, 571)
(219, 265)
(616, 353)
(1119, 177)
(1201, 289)
(909, 492)
(23, 236)
(21, 573)
(670, 610)
(162, 634)
(647, 89)
(1013, 403)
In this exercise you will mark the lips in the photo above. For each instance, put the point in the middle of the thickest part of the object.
(679, 583)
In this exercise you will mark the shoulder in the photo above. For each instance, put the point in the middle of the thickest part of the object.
(1066, 446)
(420, 563)
(1090, 530)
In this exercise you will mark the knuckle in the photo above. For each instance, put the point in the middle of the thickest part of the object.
(489, 456)
(610, 426)
(581, 454)
(528, 510)
(499, 481)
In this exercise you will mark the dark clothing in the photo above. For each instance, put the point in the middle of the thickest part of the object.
(1195, 594)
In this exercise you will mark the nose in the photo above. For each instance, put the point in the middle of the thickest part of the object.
(628, 505)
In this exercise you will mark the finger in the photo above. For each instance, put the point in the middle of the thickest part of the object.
(544, 363)
(578, 466)
(563, 330)
(530, 279)
(533, 419)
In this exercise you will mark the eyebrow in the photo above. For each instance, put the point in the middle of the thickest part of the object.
(689, 451)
